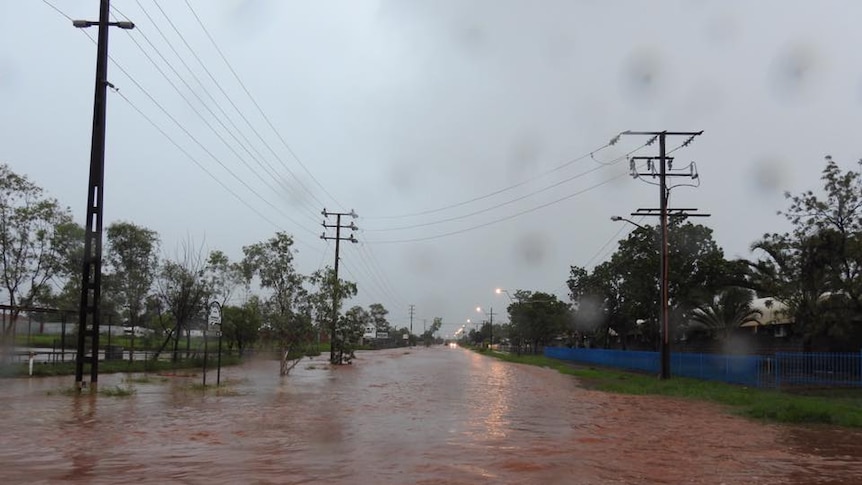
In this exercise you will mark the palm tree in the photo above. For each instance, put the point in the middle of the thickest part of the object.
(728, 311)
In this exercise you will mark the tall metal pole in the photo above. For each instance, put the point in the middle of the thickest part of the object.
(218, 365)
(665, 333)
(412, 307)
(491, 331)
(335, 293)
(205, 356)
(91, 281)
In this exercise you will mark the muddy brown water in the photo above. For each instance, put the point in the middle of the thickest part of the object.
(429, 416)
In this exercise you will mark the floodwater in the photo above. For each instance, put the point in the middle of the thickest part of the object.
(428, 416)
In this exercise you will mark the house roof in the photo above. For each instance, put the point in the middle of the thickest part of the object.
(772, 312)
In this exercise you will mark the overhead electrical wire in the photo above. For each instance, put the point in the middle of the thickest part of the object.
(501, 190)
(377, 272)
(511, 216)
(230, 100)
(259, 109)
(371, 293)
(197, 112)
(375, 278)
(511, 201)
(248, 146)
(192, 137)
(502, 219)
(372, 279)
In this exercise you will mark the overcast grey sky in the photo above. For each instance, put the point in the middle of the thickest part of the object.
(405, 107)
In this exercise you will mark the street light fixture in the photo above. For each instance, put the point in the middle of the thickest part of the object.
(618, 218)
(83, 24)
(503, 290)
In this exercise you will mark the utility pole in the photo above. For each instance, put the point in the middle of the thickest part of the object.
(490, 314)
(91, 281)
(491, 330)
(335, 293)
(412, 307)
(664, 194)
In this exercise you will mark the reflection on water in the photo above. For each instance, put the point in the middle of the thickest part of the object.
(434, 415)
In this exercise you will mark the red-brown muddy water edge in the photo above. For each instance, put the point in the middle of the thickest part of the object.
(436, 415)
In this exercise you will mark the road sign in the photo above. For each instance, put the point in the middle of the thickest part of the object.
(214, 316)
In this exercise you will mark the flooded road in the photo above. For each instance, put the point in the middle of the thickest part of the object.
(430, 416)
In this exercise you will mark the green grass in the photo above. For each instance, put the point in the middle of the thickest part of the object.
(43, 369)
(835, 407)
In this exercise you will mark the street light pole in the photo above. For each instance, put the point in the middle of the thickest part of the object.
(91, 285)
(491, 326)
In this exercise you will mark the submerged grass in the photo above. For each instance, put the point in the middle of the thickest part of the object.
(47, 369)
(836, 407)
(117, 391)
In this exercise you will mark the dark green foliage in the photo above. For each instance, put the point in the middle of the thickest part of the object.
(618, 293)
(816, 268)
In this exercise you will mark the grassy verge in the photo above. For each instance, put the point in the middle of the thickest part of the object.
(113, 366)
(842, 407)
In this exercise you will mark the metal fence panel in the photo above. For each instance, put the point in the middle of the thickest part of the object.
(736, 369)
(815, 369)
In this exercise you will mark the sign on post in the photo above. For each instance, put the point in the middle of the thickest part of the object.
(214, 318)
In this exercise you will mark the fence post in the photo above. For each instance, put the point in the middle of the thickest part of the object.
(778, 370)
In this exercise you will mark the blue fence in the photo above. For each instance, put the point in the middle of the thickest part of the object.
(781, 370)
(814, 369)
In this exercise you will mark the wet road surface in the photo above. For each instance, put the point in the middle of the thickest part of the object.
(431, 416)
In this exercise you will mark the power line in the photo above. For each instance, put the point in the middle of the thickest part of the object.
(376, 274)
(373, 257)
(502, 219)
(259, 109)
(46, 2)
(202, 118)
(511, 201)
(256, 156)
(236, 108)
(180, 126)
(504, 189)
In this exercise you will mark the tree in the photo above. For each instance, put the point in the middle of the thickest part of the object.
(132, 261)
(625, 289)
(69, 244)
(816, 268)
(223, 276)
(241, 324)
(538, 317)
(332, 291)
(378, 316)
(184, 291)
(31, 239)
(729, 310)
(287, 313)
(272, 262)
(428, 335)
(350, 330)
